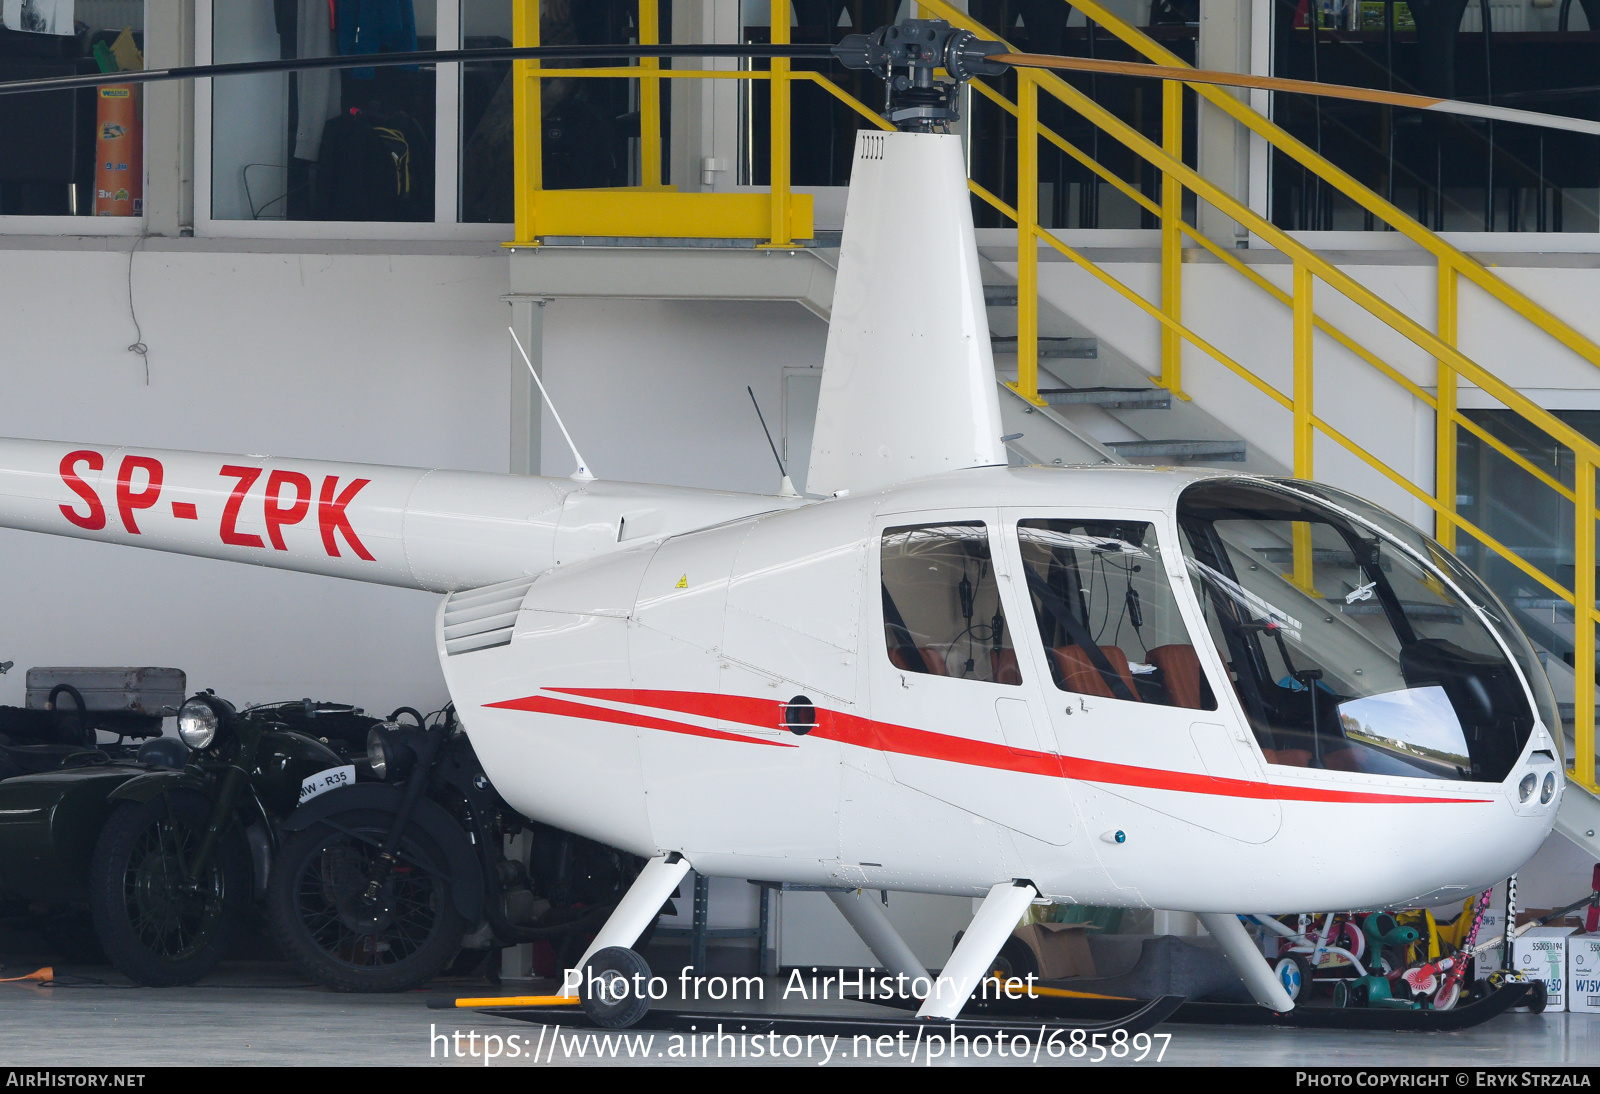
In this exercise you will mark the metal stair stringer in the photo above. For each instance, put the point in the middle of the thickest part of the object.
(1180, 421)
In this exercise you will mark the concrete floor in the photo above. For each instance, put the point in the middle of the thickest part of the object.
(254, 1013)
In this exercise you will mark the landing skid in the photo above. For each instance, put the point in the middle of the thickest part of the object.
(1245, 1014)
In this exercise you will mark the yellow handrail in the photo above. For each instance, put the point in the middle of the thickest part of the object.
(777, 217)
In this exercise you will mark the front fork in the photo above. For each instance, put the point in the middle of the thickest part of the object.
(421, 774)
(233, 782)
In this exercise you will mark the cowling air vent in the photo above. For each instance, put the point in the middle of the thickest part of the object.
(480, 619)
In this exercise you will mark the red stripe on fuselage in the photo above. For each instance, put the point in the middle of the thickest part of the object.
(906, 741)
(540, 704)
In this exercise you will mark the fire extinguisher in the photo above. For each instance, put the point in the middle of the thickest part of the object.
(119, 152)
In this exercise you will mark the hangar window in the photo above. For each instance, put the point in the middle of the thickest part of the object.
(402, 145)
(71, 153)
(1107, 615)
(941, 604)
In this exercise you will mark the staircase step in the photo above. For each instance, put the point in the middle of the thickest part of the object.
(1218, 451)
(1086, 349)
(1111, 398)
(1000, 296)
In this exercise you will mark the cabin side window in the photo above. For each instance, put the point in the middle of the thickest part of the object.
(941, 604)
(1106, 613)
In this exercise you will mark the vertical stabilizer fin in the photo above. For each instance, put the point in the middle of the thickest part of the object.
(908, 384)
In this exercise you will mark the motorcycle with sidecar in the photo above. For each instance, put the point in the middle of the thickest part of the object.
(163, 851)
(380, 885)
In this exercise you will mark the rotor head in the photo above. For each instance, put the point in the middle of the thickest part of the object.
(905, 57)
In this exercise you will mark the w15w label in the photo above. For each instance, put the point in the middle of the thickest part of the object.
(323, 781)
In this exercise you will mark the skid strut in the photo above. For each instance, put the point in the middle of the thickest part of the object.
(638, 908)
(997, 917)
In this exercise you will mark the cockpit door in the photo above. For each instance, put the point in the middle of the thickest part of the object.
(1131, 694)
(955, 714)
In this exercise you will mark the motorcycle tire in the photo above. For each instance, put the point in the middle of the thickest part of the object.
(154, 931)
(324, 928)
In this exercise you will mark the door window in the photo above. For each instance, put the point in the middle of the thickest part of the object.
(941, 604)
(1106, 613)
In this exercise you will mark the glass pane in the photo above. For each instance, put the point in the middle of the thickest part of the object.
(352, 144)
(1453, 174)
(1107, 615)
(71, 153)
(1346, 652)
(488, 148)
(941, 604)
(1522, 649)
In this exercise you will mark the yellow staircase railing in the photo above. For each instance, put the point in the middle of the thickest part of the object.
(1309, 267)
(777, 217)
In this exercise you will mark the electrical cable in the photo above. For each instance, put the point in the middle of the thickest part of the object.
(138, 345)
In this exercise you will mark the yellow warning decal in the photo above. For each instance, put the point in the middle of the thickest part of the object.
(683, 582)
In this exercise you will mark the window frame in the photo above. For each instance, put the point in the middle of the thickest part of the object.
(91, 225)
(1183, 595)
(1005, 588)
(446, 223)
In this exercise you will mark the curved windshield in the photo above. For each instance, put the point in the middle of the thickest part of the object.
(1532, 665)
(1346, 653)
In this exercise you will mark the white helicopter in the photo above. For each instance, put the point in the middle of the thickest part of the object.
(1140, 687)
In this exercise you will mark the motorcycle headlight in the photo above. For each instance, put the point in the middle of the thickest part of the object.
(380, 757)
(197, 723)
(1548, 790)
(1525, 787)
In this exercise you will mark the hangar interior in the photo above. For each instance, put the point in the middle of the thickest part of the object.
(1392, 302)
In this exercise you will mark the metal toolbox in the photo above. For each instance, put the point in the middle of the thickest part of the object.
(129, 690)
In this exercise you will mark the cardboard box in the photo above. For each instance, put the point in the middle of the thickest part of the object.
(1583, 974)
(1062, 949)
(1542, 953)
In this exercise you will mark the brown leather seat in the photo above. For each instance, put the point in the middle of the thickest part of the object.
(1343, 759)
(1180, 672)
(1078, 672)
(1288, 757)
(931, 660)
(1003, 665)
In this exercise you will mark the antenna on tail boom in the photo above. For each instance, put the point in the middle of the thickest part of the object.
(786, 488)
(582, 474)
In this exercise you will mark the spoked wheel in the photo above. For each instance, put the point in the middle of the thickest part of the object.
(328, 928)
(1448, 996)
(161, 921)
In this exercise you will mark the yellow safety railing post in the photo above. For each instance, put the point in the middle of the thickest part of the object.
(1027, 237)
(1172, 237)
(649, 97)
(1444, 429)
(780, 127)
(1583, 617)
(1304, 417)
(526, 116)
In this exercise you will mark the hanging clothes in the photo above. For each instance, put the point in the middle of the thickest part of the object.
(374, 26)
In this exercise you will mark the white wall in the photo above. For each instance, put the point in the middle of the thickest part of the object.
(388, 358)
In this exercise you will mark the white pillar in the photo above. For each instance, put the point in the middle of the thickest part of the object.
(527, 408)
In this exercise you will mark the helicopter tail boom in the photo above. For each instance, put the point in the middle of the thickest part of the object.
(418, 528)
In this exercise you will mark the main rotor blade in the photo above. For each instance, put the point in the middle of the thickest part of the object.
(420, 57)
(1298, 87)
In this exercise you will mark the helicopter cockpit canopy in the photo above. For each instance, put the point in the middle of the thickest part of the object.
(1346, 651)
